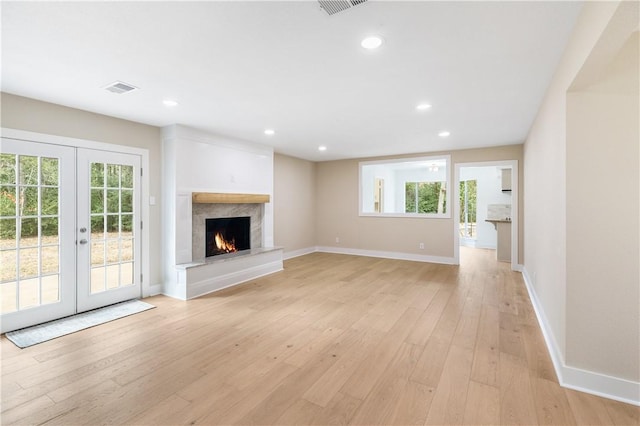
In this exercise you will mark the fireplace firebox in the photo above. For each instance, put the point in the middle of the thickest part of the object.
(227, 235)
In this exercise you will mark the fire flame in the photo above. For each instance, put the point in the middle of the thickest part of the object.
(224, 245)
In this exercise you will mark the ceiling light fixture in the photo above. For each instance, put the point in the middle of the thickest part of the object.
(169, 103)
(444, 134)
(371, 43)
(269, 132)
(322, 148)
(423, 107)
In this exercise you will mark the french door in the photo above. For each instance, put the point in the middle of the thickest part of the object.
(108, 246)
(68, 236)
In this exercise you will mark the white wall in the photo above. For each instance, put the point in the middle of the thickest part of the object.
(546, 222)
(603, 215)
(369, 174)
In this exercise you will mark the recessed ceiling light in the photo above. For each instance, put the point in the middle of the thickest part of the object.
(169, 103)
(322, 148)
(372, 42)
(269, 132)
(423, 107)
(444, 134)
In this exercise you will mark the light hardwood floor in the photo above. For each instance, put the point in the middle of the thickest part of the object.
(333, 339)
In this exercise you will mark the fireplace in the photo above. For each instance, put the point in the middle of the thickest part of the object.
(227, 235)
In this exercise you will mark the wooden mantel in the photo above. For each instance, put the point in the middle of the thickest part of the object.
(218, 197)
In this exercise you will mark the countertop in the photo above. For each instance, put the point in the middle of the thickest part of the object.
(498, 220)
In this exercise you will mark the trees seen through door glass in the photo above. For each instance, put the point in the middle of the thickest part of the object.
(112, 230)
(29, 234)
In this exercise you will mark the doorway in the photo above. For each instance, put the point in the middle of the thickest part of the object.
(69, 230)
(486, 208)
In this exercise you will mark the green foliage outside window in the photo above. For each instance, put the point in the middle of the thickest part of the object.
(470, 188)
(26, 183)
(425, 197)
(116, 189)
(468, 203)
(29, 188)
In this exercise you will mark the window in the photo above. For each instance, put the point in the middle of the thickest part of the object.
(425, 197)
(414, 187)
(468, 203)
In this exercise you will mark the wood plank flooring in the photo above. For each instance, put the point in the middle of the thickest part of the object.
(333, 339)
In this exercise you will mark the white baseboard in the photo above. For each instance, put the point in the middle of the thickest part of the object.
(574, 378)
(388, 255)
(155, 289)
(301, 252)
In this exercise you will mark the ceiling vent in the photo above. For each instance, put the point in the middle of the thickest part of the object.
(120, 87)
(334, 6)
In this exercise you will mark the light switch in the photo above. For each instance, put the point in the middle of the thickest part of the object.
(152, 200)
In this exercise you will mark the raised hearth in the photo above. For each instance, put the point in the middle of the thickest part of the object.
(218, 272)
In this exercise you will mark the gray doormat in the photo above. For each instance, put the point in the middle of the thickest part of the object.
(30, 336)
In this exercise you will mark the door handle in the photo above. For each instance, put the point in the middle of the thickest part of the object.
(83, 241)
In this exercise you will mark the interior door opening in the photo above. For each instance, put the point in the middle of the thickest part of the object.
(486, 210)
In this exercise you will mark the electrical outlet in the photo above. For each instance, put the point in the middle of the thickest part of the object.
(421, 246)
(337, 239)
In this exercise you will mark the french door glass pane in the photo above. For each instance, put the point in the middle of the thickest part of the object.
(8, 293)
(29, 234)
(112, 233)
(8, 168)
(50, 289)
(49, 256)
(8, 200)
(28, 170)
(29, 293)
(9, 262)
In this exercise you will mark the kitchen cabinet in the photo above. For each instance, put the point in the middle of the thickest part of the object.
(506, 180)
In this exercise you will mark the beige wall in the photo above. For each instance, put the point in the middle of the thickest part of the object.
(338, 217)
(603, 215)
(561, 263)
(294, 203)
(42, 117)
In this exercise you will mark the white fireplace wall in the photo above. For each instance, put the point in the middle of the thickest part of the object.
(195, 161)
(201, 212)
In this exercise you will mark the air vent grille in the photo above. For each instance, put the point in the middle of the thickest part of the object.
(334, 6)
(120, 87)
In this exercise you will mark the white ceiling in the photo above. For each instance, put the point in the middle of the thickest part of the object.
(237, 68)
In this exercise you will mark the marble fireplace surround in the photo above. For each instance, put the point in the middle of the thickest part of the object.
(201, 212)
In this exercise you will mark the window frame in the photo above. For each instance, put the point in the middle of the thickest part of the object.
(448, 182)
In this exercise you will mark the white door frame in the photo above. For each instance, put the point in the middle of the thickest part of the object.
(82, 143)
(515, 265)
